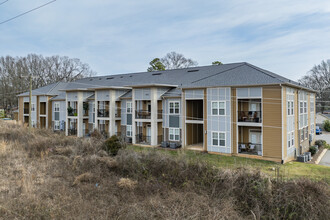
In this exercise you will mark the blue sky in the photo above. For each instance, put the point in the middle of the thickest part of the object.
(285, 37)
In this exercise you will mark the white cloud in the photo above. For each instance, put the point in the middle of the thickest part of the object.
(286, 37)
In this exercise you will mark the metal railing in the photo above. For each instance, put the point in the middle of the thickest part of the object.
(85, 112)
(141, 139)
(142, 114)
(73, 112)
(250, 148)
(118, 113)
(160, 114)
(249, 116)
(72, 131)
(103, 113)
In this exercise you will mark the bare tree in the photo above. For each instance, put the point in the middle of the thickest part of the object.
(318, 78)
(46, 70)
(175, 60)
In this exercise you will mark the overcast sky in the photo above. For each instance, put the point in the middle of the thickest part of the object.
(285, 37)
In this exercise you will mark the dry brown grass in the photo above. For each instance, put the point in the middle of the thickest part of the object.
(49, 176)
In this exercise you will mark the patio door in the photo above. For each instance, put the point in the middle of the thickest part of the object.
(255, 138)
(148, 134)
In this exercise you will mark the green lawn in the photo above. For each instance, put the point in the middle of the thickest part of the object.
(287, 171)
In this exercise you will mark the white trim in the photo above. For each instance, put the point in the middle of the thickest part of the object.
(218, 108)
(174, 133)
(169, 108)
(131, 112)
(218, 133)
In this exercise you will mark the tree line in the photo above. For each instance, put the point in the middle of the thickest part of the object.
(15, 73)
(318, 79)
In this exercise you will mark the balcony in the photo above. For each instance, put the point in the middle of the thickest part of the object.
(72, 131)
(249, 116)
(103, 113)
(72, 112)
(140, 139)
(142, 114)
(160, 114)
(118, 113)
(26, 110)
(250, 148)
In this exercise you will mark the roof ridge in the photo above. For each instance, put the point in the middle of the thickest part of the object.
(266, 72)
(217, 73)
(53, 88)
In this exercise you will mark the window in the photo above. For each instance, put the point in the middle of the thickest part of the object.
(289, 140)
(218, 139)
(305, 107)
(218, 108)
(33, 107)
(292, 108)
(301, 107)
(129, 130)
(289, 108)
(129, 107)
(56, 107)
(174, 134)
(292, 138)
(174, 107)
(306, 132)
(301, 134)
(57, 125)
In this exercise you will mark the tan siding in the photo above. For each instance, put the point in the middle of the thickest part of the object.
(272, 122)
(234, 125)
(20, 109)
(205, 120)
(49, 112)
(285, 127)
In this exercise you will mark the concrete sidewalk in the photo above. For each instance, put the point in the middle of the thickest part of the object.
(325, 159)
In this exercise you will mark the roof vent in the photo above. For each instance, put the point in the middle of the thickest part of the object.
(90, 79)
(100, 78)
(156, 74)
(110, 78)
(189, 71)
(121, 77)
(130, 76)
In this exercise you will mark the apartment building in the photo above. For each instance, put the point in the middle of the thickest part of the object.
(231, 109)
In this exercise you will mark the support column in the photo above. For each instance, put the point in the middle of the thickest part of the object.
(112, 112)
(154, 111)
(96, 112)
(183, 116)
(66, 115)
(80, 115)
(133, 118)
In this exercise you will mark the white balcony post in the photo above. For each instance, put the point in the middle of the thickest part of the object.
(112, 103)
(66, 115)
(154, 111)
(80, 115)
(96, 111)
(133, 118)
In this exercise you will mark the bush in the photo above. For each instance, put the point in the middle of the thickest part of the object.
(112, 145)
(327, 125)
(312, 149)
(320, 143)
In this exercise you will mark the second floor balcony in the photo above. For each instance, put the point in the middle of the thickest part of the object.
(249, 116)
(142, 114)
(103, 113)
(72, 112)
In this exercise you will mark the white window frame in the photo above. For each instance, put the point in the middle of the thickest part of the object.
(218, 139)
(57, 125)
(215, 105)
(129, 131)
(129, 107)
(56, 107)
(175, 132)
(174, 107)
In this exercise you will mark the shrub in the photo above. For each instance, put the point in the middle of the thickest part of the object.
(326, 125)
(320, 143)
(312, 149)
(112, 145)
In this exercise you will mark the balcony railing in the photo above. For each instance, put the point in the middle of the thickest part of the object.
(250, 148)
(72, 131)
(142, 114)
(73, 112)
(160, 114)
(103, 113)
(249, 116)
(26, 110)
(85, 112)
(141, 139)
(118, 113)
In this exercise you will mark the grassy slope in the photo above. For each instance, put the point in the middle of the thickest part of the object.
(288, 170)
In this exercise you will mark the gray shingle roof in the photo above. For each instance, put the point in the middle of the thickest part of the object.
(51, 89)
(233, 74)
